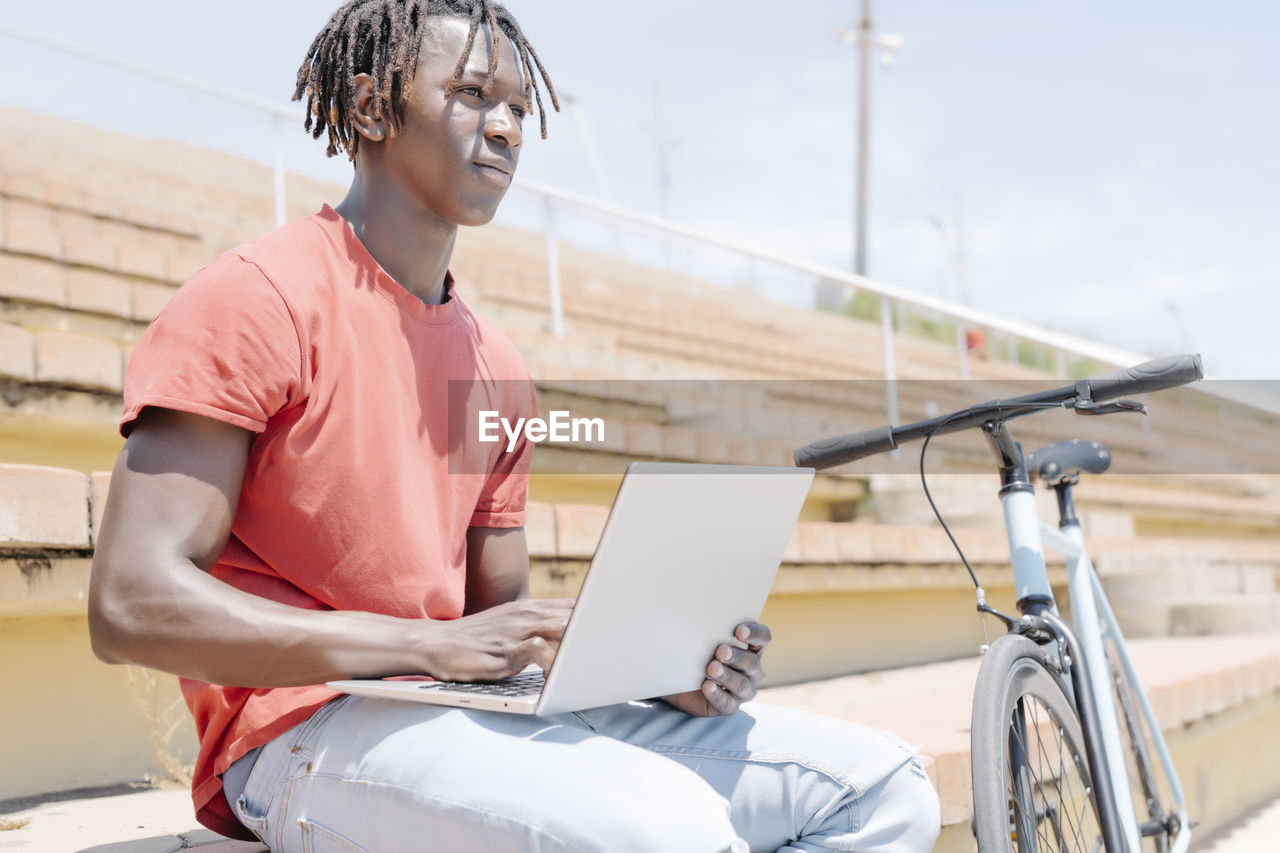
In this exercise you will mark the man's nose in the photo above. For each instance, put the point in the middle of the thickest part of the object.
(501, 125)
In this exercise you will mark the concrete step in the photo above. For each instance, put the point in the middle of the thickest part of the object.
(1193, 578)
(143, 821)
(1255, 832)
(1215, 698)
(1225, 614)
(46, 293)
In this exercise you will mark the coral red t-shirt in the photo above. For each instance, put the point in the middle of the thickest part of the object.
(359, 487)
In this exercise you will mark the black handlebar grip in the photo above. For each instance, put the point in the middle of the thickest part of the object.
(830, 452)
(1151, 376)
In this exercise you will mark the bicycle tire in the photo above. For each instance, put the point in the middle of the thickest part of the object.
(1021, 709)
(1143, 781)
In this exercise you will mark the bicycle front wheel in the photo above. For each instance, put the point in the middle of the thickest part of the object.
(1031, 782)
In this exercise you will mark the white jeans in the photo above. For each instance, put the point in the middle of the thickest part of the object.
(385, 776)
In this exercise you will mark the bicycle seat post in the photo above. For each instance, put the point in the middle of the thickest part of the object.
(1066, 501)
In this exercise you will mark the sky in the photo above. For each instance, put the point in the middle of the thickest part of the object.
(1111, 165)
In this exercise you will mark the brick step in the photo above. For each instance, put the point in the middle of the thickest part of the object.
(81, 239)
(61, 360)
(58, 508)
(42, 292)
(158, 184)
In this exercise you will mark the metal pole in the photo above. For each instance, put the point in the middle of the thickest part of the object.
(962, 349)
(664, 166)
(553, 269)
(860, 215)
(962, 281)
(593, 162)
(956, 255)
(588, 146)
(890, 367)
(864, 132)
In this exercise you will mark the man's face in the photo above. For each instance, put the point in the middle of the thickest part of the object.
(457, 149)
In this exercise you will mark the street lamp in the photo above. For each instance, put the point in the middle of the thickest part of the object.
(862, 36)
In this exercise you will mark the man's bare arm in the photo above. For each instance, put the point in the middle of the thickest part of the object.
(497, 567)
(152, 602)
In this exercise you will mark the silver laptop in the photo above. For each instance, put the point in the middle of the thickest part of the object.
(689, 551)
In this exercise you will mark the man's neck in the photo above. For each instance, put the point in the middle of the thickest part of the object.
(410, 242)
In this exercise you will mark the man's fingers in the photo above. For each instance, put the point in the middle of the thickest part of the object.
(746, 662)
(721, 700)
(755, 635)
(552, 627)
(551, 615)
(733, 681)
(539, 651)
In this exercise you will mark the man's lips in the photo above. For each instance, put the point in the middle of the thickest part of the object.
(495, 172)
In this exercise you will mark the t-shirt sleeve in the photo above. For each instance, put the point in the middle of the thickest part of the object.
(225, 347)
(504, 499)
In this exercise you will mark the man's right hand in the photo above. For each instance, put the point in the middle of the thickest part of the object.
(497, 642)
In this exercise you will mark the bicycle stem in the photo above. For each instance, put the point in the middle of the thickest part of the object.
(1008, 452)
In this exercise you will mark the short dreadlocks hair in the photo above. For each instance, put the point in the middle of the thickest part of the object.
(382, 38)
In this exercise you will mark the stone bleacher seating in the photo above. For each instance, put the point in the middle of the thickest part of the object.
(1199, 687)
(95, 238)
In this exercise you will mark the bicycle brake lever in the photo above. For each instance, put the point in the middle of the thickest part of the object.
(1088, 407)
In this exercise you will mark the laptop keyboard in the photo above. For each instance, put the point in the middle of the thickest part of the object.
(522, 684)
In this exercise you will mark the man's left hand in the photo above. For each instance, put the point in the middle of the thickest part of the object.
(733, 675)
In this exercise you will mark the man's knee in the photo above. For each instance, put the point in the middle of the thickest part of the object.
(678, 811)
(898, 808)
(904, 811)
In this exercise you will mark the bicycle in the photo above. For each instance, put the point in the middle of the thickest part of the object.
(1054, 765)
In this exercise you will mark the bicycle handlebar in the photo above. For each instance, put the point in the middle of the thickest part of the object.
(828, 452)
(1145, 378)
(1151, 376)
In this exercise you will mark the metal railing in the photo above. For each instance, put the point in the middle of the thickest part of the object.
(892, 297)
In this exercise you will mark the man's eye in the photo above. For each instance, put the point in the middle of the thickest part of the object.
(473, 91)
(518, 111)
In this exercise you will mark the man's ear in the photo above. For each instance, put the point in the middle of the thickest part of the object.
(367, 124)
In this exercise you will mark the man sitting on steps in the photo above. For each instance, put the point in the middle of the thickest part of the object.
(283, 514)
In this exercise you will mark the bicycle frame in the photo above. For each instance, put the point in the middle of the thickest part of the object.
(1091, 617)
